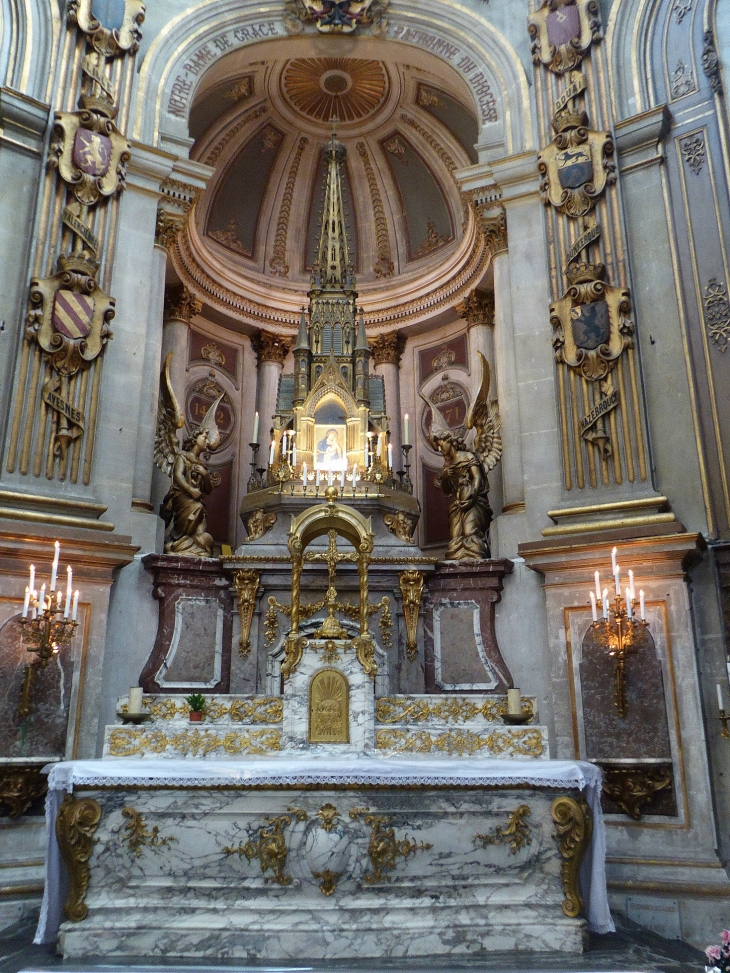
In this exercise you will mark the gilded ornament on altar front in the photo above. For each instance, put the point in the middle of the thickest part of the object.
(111, 26)
(562, 32)
(522, 743)
(573, 829)
(401, 525)
(136, 836)
(329, 719)
(269, 846)
(76, 826)
(90, 153)
(131, 742)
(405, 709)
(384, 848)
(577, 165)
(516, 832)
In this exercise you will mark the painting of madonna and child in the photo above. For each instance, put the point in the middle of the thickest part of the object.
(330, 438)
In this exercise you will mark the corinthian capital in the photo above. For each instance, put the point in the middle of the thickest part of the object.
(477, 308)
(181, 305)
(270, 347)
(494, 227)
(388, 348)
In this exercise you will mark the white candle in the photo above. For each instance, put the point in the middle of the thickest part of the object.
(316, 478)
(256, 428)
(354, 476)
(366, 452)
(598, 586)
(605, 602)
(67, 606)
(379, 448)
(75, 606)
(406, 437)
(342, 479)
(135, 700)
(26, 602)
(304, 475)
(629, 610)
(271, 453)
(390, 456)
(631, 585)
(594, 611)
(613, 560)
(329, 476)
(641, 602)
(720, 703)
(31, 583)
(617, 579)
(514, 702)
(54, 568)
(283, 444)
(294, 455)
(42, 597)
(58, 599)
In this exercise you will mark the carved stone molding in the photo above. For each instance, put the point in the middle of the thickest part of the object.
(711, 62)
(247, 584)
(634, 788)
(278, 264)
(388, 348)
(20, 787)
(573, 829)
(477, 309)
(76, 826)
(181, 305)
(384, 266)
(270, 347)
(494, 229)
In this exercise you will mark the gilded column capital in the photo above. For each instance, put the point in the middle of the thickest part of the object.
(177, 199)
(495, 231)
(181, 305)
(270, 347)
(388, 348)
(477, 309)
(167, 228)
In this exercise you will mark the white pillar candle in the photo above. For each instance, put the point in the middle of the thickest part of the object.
(271, 453)
(720, 703)
(256, 428)
(366, 452)
(379, 449)
(42, 597)
(342, 479)
(594, 610)
(514, 702)
(54, 567)
(605, 602)
(26, 602)
(354, 476)
(75, 606)
(406, 436)
(59, 595)
(598, 586)
(316, 478)
(304, 475)
(629, 610)
(617, 579)
(613, 560)
(294, 455)
(641, 602)
(135, 700)
(31, 583)
(390, 456)
(329, 476)
(631, 585)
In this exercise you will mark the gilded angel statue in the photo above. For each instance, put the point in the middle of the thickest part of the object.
(183, 509)
(464, 476)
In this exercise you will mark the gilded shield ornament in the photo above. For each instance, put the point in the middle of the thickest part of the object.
(577, 165)
(90, 154)
(111, 26)
(336, 16)
(562, 31)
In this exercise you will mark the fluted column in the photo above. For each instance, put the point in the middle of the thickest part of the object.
(271, 350)
(387, 352)
(478, 311)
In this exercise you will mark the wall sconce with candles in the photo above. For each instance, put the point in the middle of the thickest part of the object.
(48, 623)
(619, 631)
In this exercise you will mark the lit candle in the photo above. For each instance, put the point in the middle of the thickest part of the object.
(271, 453)
(354, 476)
(31, 583)
(366, 452)
(641, 602)
(283, 444)
(598, 586)
(256, 428)
(135, 700)
(26, 602)
(514, 702)
(390, 456)
(316, 478)
(617, 578)
(304, 475)
(329, 476)
(605, 602)
(294, 455)
(54, 568)
(613, 560)
(406, 437)
(75, 606)
(594, 611)
(720, 703)
(629, 610)
(58, 599)
(69, 576)
(342, 479)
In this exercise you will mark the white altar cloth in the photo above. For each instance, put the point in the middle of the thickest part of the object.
(325, 771)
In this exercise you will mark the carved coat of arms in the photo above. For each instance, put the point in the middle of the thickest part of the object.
(112, 26)
(335, 16)
(90, 154)
(562, 31)
(577, 165)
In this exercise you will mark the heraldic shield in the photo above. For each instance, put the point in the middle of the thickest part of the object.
(335, 16)
(576, 167)
(90, 153)
(562, 31)
(112, 26)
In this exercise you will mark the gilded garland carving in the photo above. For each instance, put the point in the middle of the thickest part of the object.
(248, 588)
(404, 709)
(20, 787)
(129, 742)
(259, 709)
(516, 833)
(573, 829)
(522, 743)
(278, 264)
(384, 849)
(562, 32)
(269, 846)
(136, 836)
(411, 589)
(384, 265)
(270, 347)
(388, 348)
(76, 826)
(634, 788)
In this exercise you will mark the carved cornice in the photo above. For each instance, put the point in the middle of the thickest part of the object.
(181, 305)
(388, 349)
(270, 347)
(477, 309)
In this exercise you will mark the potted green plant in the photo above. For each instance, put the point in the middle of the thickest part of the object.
(196, 702)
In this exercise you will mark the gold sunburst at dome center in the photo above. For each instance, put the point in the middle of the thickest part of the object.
(324, 87)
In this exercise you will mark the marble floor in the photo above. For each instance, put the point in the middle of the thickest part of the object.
(631, 949)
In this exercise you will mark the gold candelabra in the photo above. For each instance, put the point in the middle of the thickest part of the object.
(619, 631)
(47, 623)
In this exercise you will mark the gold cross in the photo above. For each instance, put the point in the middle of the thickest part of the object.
(331, 557)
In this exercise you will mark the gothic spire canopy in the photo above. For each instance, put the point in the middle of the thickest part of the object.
(333, 253)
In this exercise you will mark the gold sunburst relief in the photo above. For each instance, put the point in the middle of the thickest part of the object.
(321, 88)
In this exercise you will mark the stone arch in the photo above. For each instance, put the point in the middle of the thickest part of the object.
(29, 43)
(336, 392)
(190, 43)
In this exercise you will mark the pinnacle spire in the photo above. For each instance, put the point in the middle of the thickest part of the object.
(333, 254)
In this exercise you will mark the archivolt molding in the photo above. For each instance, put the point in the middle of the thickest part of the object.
(628, 32)
(29, 42)
(474, 47)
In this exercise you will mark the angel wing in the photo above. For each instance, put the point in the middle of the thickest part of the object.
(438, 424)
(210, 426)
(483, 416)
(169, 420)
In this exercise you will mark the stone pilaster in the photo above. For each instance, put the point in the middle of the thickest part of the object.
(271, 351)
(387, 352)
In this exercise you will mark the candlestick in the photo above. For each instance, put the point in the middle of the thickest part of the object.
(598, 586)
(406, 437)
(316, 479)
(605, 603)
(641, 601)
(594, 610)
(54, 567)
(256, 427)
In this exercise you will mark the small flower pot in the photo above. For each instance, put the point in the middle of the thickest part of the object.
(196, 716)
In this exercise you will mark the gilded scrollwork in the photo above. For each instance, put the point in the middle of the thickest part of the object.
(516, 833)
(634, 788)
(269, 845)
(260, 709)
(562, 32)
(136, 836)
(76, 826)
(258, 523)
(411, 588)
(401, 525)
(384, 848)
(247, 585)
(132, 741)
(405, 709)
(522, 743)
(573, 829)
(20, 787)
(107, 40)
